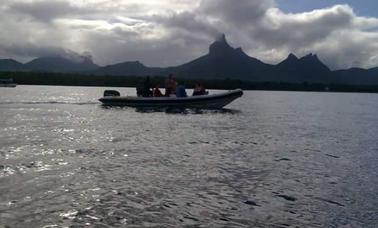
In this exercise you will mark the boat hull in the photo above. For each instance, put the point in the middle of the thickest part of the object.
(215, 101)
(9, 85)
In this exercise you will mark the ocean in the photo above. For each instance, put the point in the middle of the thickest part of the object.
(270, 159)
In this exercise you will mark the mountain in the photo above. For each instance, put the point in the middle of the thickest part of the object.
(61, 64)
(129, 68)
(306, 69)
(357, 76)
(10, 65)
(224, 61)
(307, 63)
(221, 62)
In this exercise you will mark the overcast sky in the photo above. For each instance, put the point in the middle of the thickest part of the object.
(170, 32)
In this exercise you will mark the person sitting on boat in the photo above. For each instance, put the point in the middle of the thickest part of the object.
(180, 91)
(157, 92)
(199, 89)
(170, 85)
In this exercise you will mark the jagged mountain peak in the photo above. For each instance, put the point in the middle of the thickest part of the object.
(220, 46)
(239, 49)
(292, 56)
(290, 60)
(311, 56)
(311, 61)
(308, 63)
(221, 38)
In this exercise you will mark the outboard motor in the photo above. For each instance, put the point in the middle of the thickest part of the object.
(111, 93)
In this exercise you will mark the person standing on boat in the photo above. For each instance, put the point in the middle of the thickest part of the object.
(170, 85)
(147, 88)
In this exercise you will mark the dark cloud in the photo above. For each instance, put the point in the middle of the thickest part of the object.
(236, 12)
(187, 22)
(32, 50)
(173, 49)
(44, 10)
(171, 32)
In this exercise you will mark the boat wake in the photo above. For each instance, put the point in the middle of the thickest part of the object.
(47, 103)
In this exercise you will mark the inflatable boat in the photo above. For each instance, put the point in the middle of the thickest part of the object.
(7, 83)
(213, 101)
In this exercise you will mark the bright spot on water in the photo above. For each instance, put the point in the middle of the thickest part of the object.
(69, 214)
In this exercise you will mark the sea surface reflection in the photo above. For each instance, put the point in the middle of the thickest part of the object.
(270, 159)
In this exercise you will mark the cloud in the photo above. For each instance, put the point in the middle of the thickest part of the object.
(171, 32)
(235, 12)
(349, 48)
(187, 22)
(43, 51)
(302, 29)
(337, 34)
(32, 50)
(43, 10)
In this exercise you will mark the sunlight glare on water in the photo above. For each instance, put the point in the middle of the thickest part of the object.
(271, 159)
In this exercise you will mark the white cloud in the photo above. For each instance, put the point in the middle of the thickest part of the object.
(170, 32)
(337, 34)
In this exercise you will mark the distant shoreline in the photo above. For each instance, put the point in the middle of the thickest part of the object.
(62, 79)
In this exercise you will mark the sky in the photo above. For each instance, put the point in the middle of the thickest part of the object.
(344, 33)
(367, 8)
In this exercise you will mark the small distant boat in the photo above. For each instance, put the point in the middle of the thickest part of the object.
(213, 101)
(7, 83)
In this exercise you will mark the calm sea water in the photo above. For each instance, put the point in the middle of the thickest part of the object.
(272, 159)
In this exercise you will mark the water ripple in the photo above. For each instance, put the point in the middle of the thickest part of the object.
(274, 159)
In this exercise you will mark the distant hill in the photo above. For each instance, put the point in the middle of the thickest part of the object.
(357, 76)
(57, 64)
(10, 65)
(61, 64)
(129, 68)
(221, 62)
